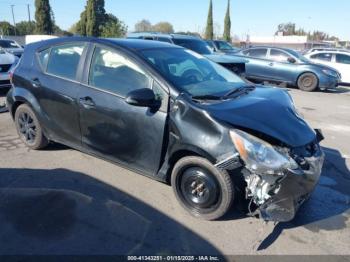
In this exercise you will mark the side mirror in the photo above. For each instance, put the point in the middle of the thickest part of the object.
(141, 97)
(291, 60)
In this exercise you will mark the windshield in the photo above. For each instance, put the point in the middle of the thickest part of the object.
(8, 44)
(224, 45)
(198, 46)
(192, 73)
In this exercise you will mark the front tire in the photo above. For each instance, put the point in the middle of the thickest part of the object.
(308, 82)
(203, 190)
(29, 128)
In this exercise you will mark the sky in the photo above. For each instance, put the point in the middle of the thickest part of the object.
(253, 17)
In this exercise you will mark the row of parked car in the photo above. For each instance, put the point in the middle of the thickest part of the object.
(317, 70)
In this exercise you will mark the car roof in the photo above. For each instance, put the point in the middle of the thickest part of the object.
(157, 34)
(330, 52)
(131, 44)
(274, 47)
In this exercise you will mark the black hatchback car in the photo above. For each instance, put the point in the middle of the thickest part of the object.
(170, 114)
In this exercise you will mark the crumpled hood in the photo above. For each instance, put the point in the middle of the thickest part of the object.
(266, 110)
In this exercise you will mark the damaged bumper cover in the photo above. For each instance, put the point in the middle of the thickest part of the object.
(278, 179)
(291, 191)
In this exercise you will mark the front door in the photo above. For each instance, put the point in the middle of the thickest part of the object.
(280, 68)
(110, 127)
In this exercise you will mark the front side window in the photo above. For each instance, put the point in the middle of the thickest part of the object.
(64, 60)
(112, 72)
(256, 52)
(279, 56)
(323, 57)
(192, 73)
(343, 59)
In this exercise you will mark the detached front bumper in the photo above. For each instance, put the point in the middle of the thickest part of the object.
(278, 198)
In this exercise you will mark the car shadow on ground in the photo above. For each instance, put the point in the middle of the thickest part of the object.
(326, 209)
(64, 212)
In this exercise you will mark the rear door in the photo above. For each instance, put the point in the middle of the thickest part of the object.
(56, 86)
(258, 66)
(343, 66)
(111, 128)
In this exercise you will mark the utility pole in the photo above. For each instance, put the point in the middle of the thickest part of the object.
(28, 8)
(13, 17)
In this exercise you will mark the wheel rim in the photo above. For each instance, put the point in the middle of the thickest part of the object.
(199, 189)
(308, 81)
(27, 127)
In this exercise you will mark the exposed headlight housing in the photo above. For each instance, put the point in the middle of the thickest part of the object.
(259, 156)
(330, 72)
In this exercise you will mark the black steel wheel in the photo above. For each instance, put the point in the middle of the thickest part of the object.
(202, 189)
(29, 128)
(308, 82)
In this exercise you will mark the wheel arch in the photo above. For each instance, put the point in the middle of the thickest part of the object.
(185, 152)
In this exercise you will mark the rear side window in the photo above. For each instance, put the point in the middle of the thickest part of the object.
(323, 56)
(343, 59)
(44, 58)
(256, 52)
(113, 72)
(64, 60)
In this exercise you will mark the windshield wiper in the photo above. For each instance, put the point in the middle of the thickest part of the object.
(239, 91)
(206, 97)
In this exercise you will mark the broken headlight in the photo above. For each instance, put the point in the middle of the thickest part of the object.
(259, 156)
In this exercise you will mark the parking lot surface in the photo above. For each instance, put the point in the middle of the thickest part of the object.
(61, 201)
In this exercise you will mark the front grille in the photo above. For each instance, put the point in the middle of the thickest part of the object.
(5, 68)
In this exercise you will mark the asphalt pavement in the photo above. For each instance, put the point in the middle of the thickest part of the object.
(61, 201)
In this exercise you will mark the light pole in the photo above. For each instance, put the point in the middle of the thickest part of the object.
(13, 17)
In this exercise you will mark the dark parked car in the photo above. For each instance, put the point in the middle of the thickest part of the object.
(287, 66)
(221, 46)
(172, 115)
(234, 64)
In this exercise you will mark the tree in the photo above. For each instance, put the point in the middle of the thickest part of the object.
(25, 28)
(143, 26)
(6, 28)
(227, 22)
(113, 27)
(95, 17)
(95, 22)
(43, 17)
(163, 27)
(209, 31)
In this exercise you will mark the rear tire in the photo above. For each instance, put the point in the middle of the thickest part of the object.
(29, 128)
(202, 190)
(308, 82)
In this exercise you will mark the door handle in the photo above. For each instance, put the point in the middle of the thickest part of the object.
(87, 102)
(36, 82)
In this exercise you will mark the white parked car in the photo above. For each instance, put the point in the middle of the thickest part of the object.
(338, 60)
(7, 61)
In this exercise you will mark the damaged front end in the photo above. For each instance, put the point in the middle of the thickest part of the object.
(279, 179)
